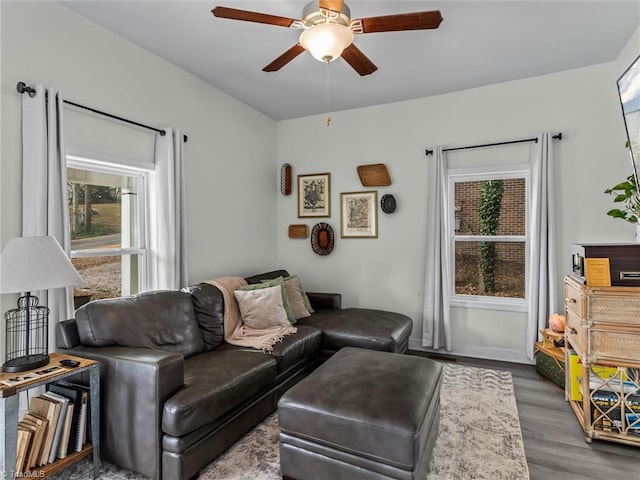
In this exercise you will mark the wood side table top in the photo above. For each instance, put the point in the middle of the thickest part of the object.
(29, 378)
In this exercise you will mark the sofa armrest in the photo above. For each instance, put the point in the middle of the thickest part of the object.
(67, 334)
(325, 301)
(135, 384)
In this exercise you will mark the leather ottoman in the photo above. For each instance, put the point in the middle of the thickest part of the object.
(364, 414)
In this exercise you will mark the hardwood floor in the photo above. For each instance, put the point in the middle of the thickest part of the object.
(553, 440)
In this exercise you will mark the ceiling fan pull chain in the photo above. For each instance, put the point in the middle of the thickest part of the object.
(328, 94)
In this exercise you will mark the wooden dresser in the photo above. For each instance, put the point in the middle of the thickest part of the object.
(603, 360)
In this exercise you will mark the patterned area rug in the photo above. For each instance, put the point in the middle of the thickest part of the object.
(479, 437)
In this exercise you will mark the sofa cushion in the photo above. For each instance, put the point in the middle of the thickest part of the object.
(215, 383)
(261, 308)
(361, 327)
(162, 320)
(209, 307)
(305, 343)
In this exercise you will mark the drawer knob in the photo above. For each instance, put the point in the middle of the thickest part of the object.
(573, 331)
(570, 300)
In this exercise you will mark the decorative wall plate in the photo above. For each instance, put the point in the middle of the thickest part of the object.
(285, 179)
(322, 238)
(388, 203)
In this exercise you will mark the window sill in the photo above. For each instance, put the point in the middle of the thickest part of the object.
(490, 303)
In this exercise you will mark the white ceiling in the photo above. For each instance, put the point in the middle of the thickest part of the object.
(478, 43)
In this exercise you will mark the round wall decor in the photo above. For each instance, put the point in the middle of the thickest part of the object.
(388, 203)
(322, 238)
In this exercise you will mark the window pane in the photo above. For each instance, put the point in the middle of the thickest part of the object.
(101, 209)
(104, 217)
(490, 207)
(102, 276)
(494, 269)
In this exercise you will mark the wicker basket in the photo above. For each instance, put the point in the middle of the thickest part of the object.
(374, 175)
(298, 231)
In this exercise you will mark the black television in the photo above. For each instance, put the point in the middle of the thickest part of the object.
(629, 92)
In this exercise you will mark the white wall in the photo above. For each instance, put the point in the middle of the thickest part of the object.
(629, 53)
(388, 272)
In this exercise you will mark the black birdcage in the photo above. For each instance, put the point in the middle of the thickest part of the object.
(27, 338)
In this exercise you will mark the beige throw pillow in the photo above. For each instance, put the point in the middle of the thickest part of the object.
(296, 300)
(307, 303)
(261, 308)
(283, 291)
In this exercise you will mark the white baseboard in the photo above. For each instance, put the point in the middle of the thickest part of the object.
(485, 353)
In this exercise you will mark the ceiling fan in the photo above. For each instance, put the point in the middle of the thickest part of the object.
(328, 31)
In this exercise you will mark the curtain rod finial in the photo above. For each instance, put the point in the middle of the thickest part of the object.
(557, 136)
(428, 152)
(22, 87)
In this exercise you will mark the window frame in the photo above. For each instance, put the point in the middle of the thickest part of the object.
(141, 171)
(500, 172)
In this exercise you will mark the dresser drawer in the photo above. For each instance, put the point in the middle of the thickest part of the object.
(614, 309)
(575, 332)
(614, 344)
(573, 299)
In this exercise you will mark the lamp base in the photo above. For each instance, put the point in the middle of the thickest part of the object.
(28, 362)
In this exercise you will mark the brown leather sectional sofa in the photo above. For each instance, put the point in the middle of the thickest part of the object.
(175, 395)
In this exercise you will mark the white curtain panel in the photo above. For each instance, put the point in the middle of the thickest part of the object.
(542, 281)
(167, 229)
(44, 188)
(436, 325)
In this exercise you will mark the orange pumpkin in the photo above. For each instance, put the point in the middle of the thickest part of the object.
(556, 322)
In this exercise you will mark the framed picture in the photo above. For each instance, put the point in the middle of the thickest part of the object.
(359, 214)
(314, 195)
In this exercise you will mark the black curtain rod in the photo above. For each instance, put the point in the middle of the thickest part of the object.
(558, 136)
(23, 88)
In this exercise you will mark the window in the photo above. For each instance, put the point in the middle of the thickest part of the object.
(106, 222)
(488, 237)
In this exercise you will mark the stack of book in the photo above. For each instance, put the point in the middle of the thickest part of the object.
(54, 426)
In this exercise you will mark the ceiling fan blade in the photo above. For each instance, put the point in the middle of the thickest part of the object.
(401, 21)
(285, 58)
(333, 5)
(248, 16)
(358, 60)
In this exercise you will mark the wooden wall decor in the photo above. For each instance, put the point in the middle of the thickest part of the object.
(298, 231)
(286, 178)
(374, 175)
(322, 239)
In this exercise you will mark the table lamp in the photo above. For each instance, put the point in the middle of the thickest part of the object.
(30, 264)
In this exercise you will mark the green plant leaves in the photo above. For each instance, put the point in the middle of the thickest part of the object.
(626, 192)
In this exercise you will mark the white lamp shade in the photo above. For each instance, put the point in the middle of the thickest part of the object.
(28, 264)
(326, 41)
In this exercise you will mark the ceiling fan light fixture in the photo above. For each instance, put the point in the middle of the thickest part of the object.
(326, 41)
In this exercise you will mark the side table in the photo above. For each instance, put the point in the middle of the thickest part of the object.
(9, 404)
